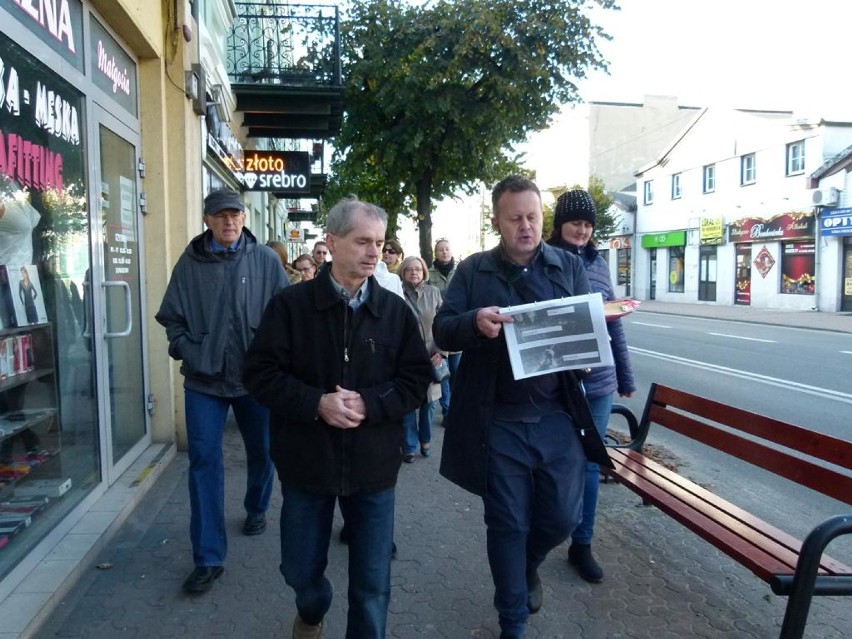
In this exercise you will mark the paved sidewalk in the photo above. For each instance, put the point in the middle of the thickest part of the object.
(661, 582)
(840, 322)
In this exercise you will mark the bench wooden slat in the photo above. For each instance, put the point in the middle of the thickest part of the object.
(752, 529)
(801, 471)
(831, 449)
(762, 564)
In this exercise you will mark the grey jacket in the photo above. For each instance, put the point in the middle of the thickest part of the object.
(212, 307)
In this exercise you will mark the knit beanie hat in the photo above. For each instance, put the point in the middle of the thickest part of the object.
(574, 205)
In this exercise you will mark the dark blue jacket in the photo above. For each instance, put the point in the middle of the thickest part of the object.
(605, 380)
(479, 282)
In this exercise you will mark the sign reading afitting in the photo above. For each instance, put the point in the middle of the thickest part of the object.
(284, 172)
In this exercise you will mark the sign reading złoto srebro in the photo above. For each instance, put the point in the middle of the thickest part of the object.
(284, 172)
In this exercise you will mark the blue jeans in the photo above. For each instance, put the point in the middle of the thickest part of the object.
(533, 501)
(418, 426)
(205, 423)
(453, 362)
(306, 521)
(601, 407)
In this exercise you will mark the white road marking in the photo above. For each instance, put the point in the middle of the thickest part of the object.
(763, 379)
(649, 324)
(846, 352)
(750, 339)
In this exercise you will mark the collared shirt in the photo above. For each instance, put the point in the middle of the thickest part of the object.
(354, 301)
(219, 248)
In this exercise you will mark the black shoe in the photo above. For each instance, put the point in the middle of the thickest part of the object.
(408, 458)
(534, 593)
(580, 556)
(201, 579)
(255, 524)
(344, 535)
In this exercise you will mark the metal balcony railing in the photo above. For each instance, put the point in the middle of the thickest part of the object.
(275, 42)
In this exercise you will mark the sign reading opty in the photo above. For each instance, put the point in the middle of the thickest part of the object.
(286, 172)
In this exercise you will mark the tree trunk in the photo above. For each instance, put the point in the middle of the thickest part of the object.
(424, 217)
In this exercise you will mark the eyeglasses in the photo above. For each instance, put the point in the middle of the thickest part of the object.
(413, 269)
(306, 269)
(390, 250)
(321, 252)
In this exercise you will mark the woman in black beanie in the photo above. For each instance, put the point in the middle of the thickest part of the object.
(573, 223)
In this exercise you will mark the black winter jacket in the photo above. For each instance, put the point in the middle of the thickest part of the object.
(309, 342)
(480, 282)
(212, 306)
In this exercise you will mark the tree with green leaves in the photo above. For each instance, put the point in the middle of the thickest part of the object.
(438, 93)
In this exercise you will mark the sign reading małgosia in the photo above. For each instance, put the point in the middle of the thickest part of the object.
(287, 172)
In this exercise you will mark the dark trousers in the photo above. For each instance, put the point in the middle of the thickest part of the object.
(533, 501)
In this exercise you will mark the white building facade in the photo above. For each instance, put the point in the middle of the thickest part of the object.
(726, 215)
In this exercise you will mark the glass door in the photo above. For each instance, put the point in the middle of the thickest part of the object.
(707, 274)
(118, 287)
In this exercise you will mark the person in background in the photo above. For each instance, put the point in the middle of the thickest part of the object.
(573, 223)
(392, 255)
(281, 251)
(217, 292)
(442, 271)
(320, 254)
(513, 442)
(339, 361)
(424, 301)
(305, 266)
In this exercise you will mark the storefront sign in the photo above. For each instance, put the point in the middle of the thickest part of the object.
(115, 71)
(786, 226)
(836, 222)
(40, 124)
(285, 172)
(661, 240)
(711, 230)
(743, 283)
(620, 242)
(297, 236)
(58, 23)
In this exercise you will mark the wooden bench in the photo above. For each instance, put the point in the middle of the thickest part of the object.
(798, 570)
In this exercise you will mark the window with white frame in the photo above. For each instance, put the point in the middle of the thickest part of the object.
(709, 184)
(676, 186)
(649, 192)
(796, 157)
(748, 169)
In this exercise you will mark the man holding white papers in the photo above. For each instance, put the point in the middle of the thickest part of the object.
(513, 442)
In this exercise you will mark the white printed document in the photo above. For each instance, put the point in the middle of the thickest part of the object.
(557, 335)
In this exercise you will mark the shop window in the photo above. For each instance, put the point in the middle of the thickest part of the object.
(623, 257)
(676, 262)
(798, 268)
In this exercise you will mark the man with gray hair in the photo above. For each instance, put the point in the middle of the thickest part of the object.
(339, 361)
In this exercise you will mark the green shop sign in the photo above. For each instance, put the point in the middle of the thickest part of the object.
(660, 240)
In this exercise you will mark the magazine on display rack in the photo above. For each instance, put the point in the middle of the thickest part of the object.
(557, 335)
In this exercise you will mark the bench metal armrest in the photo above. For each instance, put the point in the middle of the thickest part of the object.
(805, 580)
(636, 439)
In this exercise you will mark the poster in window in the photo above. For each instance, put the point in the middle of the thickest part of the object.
(27, 297)
(798, 265)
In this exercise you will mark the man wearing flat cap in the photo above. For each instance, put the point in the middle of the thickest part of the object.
(216, 296)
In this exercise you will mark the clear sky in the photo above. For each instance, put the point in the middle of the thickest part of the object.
(764, 54)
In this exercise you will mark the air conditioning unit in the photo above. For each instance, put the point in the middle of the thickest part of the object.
(826, 197)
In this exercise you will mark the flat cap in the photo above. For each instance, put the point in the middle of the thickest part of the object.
(221, 200)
